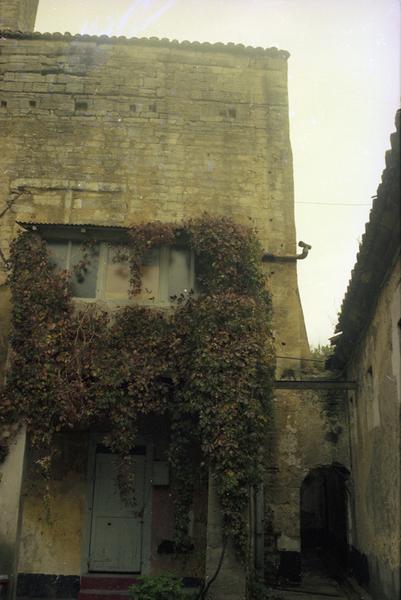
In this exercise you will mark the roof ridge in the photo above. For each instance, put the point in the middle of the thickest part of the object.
(151, 41)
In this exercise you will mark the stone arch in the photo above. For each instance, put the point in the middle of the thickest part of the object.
(324, 526)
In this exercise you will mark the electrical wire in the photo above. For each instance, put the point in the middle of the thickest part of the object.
(331, 204)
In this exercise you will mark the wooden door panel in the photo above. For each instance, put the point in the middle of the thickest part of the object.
(116, 533)
(115, 544)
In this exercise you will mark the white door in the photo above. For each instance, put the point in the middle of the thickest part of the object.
(116, 529)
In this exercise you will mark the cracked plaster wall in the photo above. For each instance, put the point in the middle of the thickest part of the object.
(375, 442)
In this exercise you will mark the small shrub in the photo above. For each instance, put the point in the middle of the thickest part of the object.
(257, 590)
(158, 587)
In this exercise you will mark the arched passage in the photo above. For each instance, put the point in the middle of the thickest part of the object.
(324, 534)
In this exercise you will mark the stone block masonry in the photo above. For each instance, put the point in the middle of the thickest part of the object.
(177, 128)
(111, 131)
(18, 15)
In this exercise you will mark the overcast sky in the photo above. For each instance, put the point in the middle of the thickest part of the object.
(344, 87)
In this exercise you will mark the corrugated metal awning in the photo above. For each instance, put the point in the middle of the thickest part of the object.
(77, 230)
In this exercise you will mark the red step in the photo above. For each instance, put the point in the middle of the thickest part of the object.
(107, 582)
(105, 587)
(102, 595)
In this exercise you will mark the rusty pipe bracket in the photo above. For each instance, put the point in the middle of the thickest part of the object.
(291, 258)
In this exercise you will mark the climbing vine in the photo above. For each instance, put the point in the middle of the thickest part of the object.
(207, 366)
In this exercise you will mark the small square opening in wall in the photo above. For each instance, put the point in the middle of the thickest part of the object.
(3, 104)
(80, 105)
(232, 112)
(152, 107)
(133, 108)
(32, 103)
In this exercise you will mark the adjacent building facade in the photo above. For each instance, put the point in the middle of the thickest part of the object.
(368, 349)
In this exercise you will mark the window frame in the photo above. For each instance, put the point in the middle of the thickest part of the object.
(105, 246)
(164, 273)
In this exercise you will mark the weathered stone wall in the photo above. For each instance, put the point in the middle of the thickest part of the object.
(306, 430)
(54, 518)
(115, 132)
(368, 350)
(18, 14)
(11, 478)
(375, 445)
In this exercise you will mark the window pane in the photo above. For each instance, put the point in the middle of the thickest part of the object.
(150, 277)
(179, 272)
(58, 254)
(84, 266)
(117, 276)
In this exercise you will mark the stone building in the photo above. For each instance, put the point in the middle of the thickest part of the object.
(368, 350)
(101, 133)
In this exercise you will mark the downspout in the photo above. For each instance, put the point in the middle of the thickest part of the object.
(259, 493)
(267, 257)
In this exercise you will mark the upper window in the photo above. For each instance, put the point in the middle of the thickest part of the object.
(98, 272)
(69, 256)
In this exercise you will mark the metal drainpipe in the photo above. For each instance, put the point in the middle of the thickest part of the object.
(259, 496)
(290, 258)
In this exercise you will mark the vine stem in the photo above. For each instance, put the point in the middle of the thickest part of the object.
(205, 589)
(9, 203)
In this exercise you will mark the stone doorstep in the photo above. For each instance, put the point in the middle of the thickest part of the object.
(313, 587)
(348, 590)
(355, 591)
(307, 594)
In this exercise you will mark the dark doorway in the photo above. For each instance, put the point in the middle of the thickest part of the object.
(324, 516)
